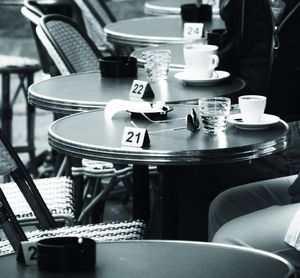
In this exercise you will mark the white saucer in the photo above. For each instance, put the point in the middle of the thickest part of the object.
(266, 121)
(217, 77)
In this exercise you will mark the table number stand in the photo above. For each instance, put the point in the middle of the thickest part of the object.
(141, 89)
(135, 137)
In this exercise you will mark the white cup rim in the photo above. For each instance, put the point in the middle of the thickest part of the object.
(207, 47)
(253, 97)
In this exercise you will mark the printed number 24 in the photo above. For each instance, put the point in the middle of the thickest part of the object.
(192, 31)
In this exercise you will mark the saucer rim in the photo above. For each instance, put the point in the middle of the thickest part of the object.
(201, 81)
(274, 119)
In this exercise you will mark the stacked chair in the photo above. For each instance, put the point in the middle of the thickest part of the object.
(61, 40)
(64, 39)
(24, 68)
(96, 15)
(11, 164)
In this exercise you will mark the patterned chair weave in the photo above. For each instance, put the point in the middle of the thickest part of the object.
(94, 29)
(73, 46)
(56, 192)
(113, 231)
(7, 164)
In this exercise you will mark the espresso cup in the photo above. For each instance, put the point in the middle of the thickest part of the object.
(200, 60)
(252, 108)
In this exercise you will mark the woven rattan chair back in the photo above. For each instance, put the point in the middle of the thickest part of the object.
(96, 15)
(10, 163)
(68, 45)
(33, 11)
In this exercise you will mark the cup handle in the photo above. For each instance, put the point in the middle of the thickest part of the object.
(214, 61)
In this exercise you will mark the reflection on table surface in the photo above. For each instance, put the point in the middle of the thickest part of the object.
(86, 91)
(155, 259)
(171, 7)
(92, 135)
(151, 31)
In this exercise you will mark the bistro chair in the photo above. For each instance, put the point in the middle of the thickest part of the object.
(73, 51)
(33, 11)
(11, 164)
(96, 15)
(24, 68)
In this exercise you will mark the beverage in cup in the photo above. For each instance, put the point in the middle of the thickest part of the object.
(200, 60)
(252, 108)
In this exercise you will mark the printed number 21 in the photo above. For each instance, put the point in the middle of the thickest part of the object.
(131, 135)
(33, 253)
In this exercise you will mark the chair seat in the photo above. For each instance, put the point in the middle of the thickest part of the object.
(112, 231)
(57, 193)
(18, 64)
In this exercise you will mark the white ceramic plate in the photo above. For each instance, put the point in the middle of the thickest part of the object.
(218, 76)
(266, 121)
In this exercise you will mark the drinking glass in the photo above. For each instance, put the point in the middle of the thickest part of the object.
(214, 112)
(157, 63)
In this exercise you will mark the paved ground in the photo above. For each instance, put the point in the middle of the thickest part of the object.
(16, 39)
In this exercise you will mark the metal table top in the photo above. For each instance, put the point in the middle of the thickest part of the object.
(170, 7)
(151, 31)
(160, 259)
(91, 135)
(87, 91)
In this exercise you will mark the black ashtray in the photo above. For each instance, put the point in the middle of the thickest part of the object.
(118, 66)
(66, 254)
(156, 113)
(195, 13)
(213, 37)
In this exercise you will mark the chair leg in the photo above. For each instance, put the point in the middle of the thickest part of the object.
(6, 110)
(31, 130)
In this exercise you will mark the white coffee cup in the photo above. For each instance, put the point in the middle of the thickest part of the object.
(200, 60)
(252, 108)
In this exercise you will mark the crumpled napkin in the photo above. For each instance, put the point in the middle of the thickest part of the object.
(292, 236)
(117, 105)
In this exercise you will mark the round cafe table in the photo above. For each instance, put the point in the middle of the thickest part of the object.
(161, 259)
(170, 7)
(150, 31)
(86, 91)
(92, 135)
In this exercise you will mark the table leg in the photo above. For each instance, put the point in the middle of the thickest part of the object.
(6, 111)
(141, 195)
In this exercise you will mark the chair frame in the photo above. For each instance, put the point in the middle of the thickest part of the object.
(13, 165)
(43, 26)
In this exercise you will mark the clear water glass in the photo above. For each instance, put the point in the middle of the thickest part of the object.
(157, 63)
(214, 112)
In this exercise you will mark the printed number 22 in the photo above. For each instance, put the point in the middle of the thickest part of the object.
(137, 89)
